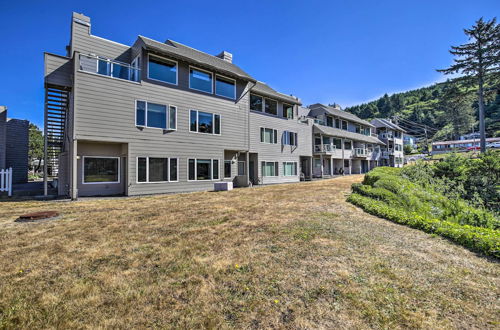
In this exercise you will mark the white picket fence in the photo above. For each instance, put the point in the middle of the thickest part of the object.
(6, 181)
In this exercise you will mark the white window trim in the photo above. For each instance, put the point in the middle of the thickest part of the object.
(215, 83)
(196, 169)
(147, 170)
(198, 121)
(275, 131)
(287, 133)
(146, 116)
(296, 168)
(202, 70)
(168, 60)
(274, 166)
(107, 182)
(230, 169)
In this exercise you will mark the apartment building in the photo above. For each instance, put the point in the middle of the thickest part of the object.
(158, 117)
(342, 142)
(392, 136)
(14, 142)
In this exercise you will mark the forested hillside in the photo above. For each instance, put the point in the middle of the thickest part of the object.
(444, 106)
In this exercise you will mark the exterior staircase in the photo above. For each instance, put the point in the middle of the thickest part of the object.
(56, 109)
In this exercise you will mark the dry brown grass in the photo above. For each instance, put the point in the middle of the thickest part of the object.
(286, 256)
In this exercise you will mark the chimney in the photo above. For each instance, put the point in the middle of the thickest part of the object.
(226, 56)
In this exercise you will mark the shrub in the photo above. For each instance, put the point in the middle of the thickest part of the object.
(479, 239)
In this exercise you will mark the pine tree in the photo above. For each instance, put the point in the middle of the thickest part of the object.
(479, 62)
(456, 108)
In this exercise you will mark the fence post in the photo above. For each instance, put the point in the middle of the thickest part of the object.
(9, 181)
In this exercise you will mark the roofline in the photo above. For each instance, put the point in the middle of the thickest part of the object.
(283, 98)
(358, 120)
(188, 59)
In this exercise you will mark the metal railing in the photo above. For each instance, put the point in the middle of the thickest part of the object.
(360, 152)
(109, 68)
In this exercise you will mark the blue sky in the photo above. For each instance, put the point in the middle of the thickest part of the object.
(347, 52)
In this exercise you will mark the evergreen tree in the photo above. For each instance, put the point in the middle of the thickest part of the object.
(479, 62)
(35, 151)
(455, 106)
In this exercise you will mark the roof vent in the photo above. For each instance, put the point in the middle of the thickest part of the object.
(226, 56)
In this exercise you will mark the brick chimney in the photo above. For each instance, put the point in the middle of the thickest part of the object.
(226, 56)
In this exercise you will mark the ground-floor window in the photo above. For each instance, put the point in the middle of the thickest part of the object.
(101, 169)
(346, 162)
(270, 169)
(157, 169)
(203, 169)
(289, 168)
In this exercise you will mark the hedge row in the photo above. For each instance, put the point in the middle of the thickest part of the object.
(483, 240)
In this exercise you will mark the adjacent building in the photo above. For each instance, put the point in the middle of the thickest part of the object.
(392, 136)
(160, 117)
(14, 142)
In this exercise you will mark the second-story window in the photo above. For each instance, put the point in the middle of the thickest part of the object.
(289, 138)
(268, 135)
(271, 107)
(204, 122)
(256, 103)
(225, 87)
(200, 80)
(287, 111)
(344, 124)
(162, 69)
(155, 115)
(347, 145)
(329, 121)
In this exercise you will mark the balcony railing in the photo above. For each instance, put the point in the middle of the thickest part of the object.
(109, 68)
(387, 136)
(360, 152)
(327, 148)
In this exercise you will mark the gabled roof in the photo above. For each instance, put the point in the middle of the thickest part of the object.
(340, 113)
(382, 122)
(188, 54)
(331, 131)
(264, 89)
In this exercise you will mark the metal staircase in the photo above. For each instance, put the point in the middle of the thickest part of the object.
(56, 109)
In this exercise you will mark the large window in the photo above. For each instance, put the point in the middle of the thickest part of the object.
(203, 169)
(155, 115)
(287, 111)
(101, 169)
(268, 135)
(271, 107)
(200, 80)
(225, 87)
(329, 121)
(270, 169)
(162, 70)
(337, 143)
(289, 168)
(289, 138)
(156, 169)
(204, 122)
(344, 124)
(256, 103)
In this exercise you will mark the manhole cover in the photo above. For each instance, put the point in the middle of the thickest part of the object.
(35, 216)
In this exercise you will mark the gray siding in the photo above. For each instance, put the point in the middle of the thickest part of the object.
(58, 70)
(3, 136)
(278, 152)
(17, 149)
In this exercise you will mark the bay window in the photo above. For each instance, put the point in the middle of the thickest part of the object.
(205, 122)
(155, 115)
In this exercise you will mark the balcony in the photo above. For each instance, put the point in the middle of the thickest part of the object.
(325, 148)
(109, 68)
(361, 152)
(388, 136)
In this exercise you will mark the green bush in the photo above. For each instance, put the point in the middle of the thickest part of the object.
(483, 240)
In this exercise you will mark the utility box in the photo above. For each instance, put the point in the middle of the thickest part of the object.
(223, 186)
